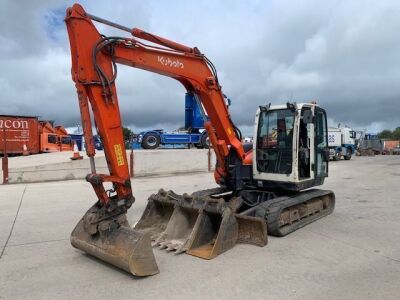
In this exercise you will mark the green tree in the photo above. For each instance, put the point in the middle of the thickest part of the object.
(128, 134)
(396, 134)
(386, 134)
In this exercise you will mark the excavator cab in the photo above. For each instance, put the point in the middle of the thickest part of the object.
(291, 147)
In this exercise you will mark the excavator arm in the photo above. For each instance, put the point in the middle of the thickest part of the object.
(197, 224)
(94, 69)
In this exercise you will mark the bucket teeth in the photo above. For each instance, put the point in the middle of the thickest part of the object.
(176, 245)
(179, 229)
(157, 213)
(163, 245)
(173, 247)
(198, 224)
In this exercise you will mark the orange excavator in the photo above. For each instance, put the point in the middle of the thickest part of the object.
(263, 187)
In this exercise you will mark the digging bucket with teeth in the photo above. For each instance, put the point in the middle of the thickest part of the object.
(204, 226)
(112, 240)
(219, 228)
(157, 213)
(178, 232)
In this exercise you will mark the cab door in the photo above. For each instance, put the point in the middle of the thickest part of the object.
(321, 143)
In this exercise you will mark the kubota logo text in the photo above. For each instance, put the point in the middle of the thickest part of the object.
(166, 61)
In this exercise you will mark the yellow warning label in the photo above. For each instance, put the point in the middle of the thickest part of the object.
(229, 131)
(118, 154)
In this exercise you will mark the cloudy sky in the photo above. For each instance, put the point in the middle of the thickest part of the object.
(344, 54)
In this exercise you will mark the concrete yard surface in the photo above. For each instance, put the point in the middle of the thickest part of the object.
(352, 254)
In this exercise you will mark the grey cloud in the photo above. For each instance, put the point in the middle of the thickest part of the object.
(344, 54)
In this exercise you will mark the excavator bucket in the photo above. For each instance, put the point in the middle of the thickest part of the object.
(216, 232)
(113, 241)
(218, 229)
(179, 228)
(201, 225)
(157, 213)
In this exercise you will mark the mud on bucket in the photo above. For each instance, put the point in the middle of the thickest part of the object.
(178, 232)
(121, 246)
(218, 229)
(157, 213)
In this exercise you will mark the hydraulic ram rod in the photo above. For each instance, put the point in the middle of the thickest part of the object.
(109, 23)
(141, 34)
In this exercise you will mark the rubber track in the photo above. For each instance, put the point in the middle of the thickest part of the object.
(276, 206)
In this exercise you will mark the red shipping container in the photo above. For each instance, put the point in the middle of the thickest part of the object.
(19, 131)
(390, 144)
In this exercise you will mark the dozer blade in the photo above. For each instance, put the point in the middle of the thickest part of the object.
(157, 213)
(113, 241)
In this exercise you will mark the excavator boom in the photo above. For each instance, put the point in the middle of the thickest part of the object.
(104, 231)
(94, 61)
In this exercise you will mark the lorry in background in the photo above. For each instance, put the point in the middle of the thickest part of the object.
(53, 138)
(369, 144)
(48, 139)
(192, 134)
(341, 142)
(19, 132)
(80, 141)
(396, 150)
(64, 139)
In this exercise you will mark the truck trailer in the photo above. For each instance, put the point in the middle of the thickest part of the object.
(341, 142)
(192, 134)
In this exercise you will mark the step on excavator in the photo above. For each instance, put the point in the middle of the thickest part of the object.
(264, 187)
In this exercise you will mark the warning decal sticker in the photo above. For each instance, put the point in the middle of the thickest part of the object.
(118, 155)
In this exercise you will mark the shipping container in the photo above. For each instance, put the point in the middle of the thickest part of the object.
(37, 136)
(17, 132)
(390, 144)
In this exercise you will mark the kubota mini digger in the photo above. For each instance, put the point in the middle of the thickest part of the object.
(264, 187)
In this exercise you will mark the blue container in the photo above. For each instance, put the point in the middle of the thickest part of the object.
(136, 145)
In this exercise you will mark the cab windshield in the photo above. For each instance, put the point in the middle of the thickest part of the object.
(275, 141)
(52, 139)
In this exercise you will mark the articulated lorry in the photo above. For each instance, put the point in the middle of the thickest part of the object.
(341, 142)
(192, 134)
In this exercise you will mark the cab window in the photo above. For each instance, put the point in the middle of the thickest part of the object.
(52, 139)
(275, 141)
